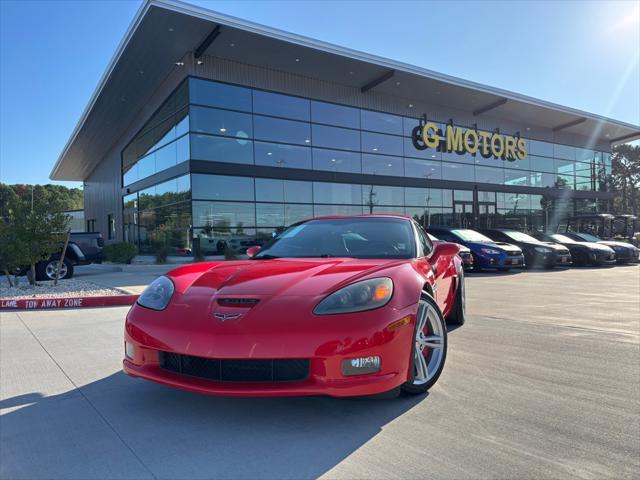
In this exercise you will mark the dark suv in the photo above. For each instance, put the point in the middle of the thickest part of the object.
(536, 252)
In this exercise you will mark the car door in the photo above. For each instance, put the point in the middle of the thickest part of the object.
(441, 268)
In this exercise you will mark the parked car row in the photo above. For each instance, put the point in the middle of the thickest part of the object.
(503, 249)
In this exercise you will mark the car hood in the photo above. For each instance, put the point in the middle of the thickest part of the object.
(593, 246)
(614, 244)
(556, 246)
(300, 277)
(507, 247)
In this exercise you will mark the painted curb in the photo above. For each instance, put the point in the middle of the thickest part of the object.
(66, 302)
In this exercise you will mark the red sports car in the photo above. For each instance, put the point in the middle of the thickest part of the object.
(339, 306)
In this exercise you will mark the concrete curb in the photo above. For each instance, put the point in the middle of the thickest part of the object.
(66, 302)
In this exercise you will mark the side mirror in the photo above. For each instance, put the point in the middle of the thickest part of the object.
(252, 251)
(444, 249)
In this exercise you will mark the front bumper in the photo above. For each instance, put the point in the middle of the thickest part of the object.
(325, 349)
(499, 261)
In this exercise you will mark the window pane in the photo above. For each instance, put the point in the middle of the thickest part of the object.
(270, 214)
(269, 190)
(182, 147)
(489, 175)
(215, 94)
(219, 149)
(542, 164)
(516, 177)
(428, 154)
(415, 168)
(518, 164)
(379, 143)
(542, 179)
(334, 137)
(130, 175)
(584, 169)
(382, 165)
(223, 216)
(339, 115)
(457, 171)
(296, 191)
(323, 210)
(336, 160)
(463, 195)
(280, 155)
(564, 151)
(295, 213)
(280, 105)
(381, 122)
(584, 183)
(339, 193)
(564, 167)
(222, 187)
(586, 155)
(382, 195)
(166, 157)
(540, 148)
(146, 166)
(423, 196)
(221, 122)
(279, 130)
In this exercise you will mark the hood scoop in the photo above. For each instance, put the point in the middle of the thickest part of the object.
(238, 302)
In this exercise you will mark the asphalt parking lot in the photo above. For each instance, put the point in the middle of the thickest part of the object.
(542, 382)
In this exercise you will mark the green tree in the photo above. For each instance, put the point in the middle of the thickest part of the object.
(60, 198)
(39, 229)
(625, 178)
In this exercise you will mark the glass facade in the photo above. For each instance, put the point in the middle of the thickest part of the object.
(228, 124)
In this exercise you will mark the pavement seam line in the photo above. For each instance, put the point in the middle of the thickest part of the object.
(104, 419)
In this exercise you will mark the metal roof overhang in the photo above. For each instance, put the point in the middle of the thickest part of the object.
(163, 31)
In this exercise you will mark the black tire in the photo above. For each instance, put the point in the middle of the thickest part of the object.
(46, 270)
(476, 264)
(428, 313)
(458, 314)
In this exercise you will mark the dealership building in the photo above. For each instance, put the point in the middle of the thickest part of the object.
(210, 129)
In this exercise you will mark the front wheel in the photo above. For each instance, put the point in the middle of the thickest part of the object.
(429, 349)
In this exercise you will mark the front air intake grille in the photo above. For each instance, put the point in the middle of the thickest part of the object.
(276, 370)
(238, 302)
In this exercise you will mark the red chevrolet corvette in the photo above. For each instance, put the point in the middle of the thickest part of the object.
(339, 306)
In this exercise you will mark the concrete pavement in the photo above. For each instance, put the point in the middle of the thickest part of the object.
(542, 382)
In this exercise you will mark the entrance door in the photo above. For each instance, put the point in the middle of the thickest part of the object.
(486, 215)
(463, 214)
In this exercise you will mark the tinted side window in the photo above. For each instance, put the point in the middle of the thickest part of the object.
(425, 244)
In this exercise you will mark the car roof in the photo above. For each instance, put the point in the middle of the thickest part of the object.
(371, 215)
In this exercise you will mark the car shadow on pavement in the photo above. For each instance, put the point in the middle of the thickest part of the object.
(120, 427)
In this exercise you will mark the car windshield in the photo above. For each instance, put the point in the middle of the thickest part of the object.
(587, 237)
(561, 238)
(362, 237)
(520, 237)
(471, 236)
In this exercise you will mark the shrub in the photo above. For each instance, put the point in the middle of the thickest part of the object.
(160, 251)
(121, 252)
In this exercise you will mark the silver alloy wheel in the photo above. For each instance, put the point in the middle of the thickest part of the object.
(428, 351)
(52, 268)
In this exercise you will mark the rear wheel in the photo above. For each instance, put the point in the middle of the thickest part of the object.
(47, 270)
(458, 314)
(429, 347)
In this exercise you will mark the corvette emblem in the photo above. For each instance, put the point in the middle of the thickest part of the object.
(227, 316)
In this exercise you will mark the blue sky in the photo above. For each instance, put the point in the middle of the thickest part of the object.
(580, 54)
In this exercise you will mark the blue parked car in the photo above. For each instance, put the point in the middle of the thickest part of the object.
(487, 254)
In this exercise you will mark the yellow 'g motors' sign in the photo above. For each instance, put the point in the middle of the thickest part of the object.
(472, 141)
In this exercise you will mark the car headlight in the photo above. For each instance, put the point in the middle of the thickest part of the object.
(357, 297)
(490, 251)
(542, 250)
(157, 295)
